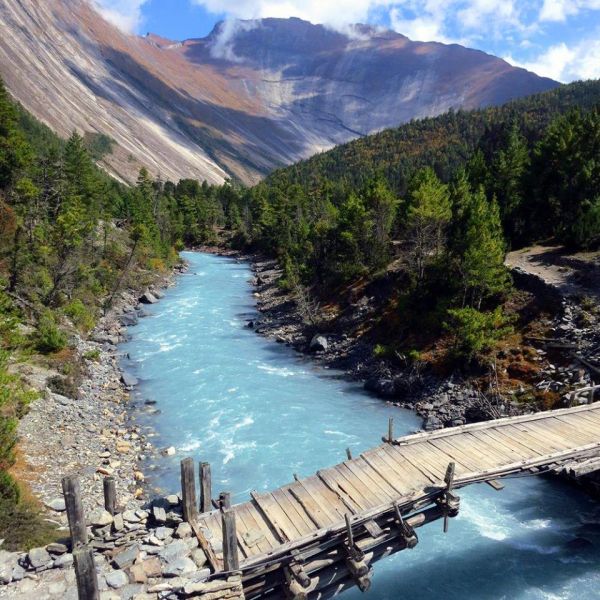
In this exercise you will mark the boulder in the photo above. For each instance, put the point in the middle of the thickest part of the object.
(127, 557)
(117, 579)
(39, 557)
(319, 344)
(129, 319)
(128, 379)
(148, 298)
(101, 518)
(179, 567)
(56, 504)
(386, 388)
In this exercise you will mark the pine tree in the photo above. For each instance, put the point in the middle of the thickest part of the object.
(429, 212)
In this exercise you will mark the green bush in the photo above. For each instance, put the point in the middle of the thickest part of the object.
(92, 355)
(476, 332)
(81, 316)
(50, 338)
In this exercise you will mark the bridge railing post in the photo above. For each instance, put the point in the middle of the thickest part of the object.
(205, 488)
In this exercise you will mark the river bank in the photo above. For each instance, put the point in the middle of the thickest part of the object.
(441, 401)
(94, 433)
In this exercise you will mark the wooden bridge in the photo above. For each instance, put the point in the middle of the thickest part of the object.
(318, 536)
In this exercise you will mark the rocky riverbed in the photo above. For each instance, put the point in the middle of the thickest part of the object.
(441, 402)
(91, 435)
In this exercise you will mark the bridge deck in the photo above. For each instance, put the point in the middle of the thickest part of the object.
(411, 467)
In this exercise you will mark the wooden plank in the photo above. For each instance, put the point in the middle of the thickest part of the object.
(274, 516)
(517, 448)
(349, 503)
(416, 437)
(532, 438)
(501, 447)
(293, 510)
(252, 532)
(591, 428)
(546, 433)
(462, 443)
(413, 457)
(457, 455)
(486, 446)
(413, 476)
(383, 472)
(370, 478)
(578, 431)
(332, 502)
(503, 433)
(368, 495)
(320, 518)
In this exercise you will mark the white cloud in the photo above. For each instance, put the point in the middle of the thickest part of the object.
(565, 63)
(560, 10)
(125, 14)
(336, 13)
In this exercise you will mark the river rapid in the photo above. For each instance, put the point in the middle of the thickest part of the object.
(259, 412)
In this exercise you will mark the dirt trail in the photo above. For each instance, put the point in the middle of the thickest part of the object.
(572, 273)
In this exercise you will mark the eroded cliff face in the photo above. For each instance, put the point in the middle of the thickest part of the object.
(249, 97)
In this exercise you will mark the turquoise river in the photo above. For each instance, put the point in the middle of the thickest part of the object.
(259, 412)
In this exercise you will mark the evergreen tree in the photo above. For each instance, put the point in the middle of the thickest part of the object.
(428, 215)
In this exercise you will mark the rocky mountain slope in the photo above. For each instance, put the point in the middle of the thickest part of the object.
(249, 97)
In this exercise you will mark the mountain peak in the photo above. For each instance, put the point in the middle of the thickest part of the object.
(251, 96)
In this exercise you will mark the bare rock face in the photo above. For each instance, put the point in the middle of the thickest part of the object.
(251, 96)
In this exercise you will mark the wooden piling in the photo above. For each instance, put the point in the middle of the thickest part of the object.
(225, 500)
(205, 487)
(349, 453)
(85, 573)
(110, 495)
(74, 508)
(390, 435)
(230, 550)
(188, 490)
(449, 480)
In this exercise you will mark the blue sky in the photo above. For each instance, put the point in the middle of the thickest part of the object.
(556, 38)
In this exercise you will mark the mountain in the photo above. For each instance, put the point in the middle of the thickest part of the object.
(250, 97)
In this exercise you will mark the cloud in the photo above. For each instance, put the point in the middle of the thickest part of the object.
(125, 14)
(222, 46)
(561, 10)
(338, 14)
(565, 63)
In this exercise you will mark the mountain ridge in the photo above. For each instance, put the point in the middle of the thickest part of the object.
(249, 97)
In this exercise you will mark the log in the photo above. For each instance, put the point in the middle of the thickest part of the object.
(74, 508)
(188, 490)
(230, 549)
(110, 495)
(85, 573)
(205, 488)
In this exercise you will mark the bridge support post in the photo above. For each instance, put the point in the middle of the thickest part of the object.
(230, 550)
(406, 531)
(355, 559)
(205, 488)
(188, 490)
(449, 501)
(298, 581)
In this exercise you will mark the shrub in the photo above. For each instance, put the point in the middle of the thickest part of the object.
(92, 355)
(476, 332)
(49, 336)
(81, 316)
(64, 386)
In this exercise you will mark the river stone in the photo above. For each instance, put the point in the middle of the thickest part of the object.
(127, 557)
(184, 530)
(56, 548)
(159, 514)
(101, 518)
(56, 504)
(18, 573)
(129, 319)
(116, 579)
(174, 550)
(6, 573)
(179, 567)
(39, 557)
(128, 379)
(319, 343)
(148, 298)
(66, 560)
